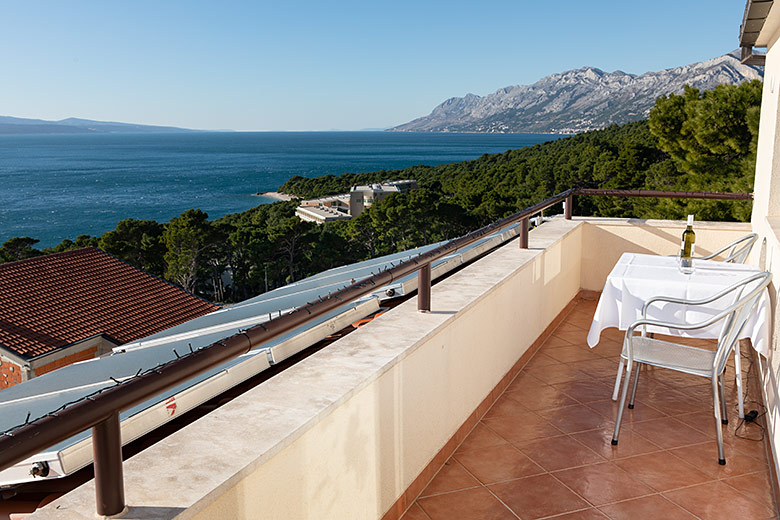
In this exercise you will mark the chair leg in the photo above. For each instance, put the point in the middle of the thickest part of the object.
(622, 405)
(716, 403)
(724, 418)
(633, 387)
(738, 375)
(617, 380)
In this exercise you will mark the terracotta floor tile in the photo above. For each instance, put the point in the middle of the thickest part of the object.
(610, 350)
(481, 437)
(678, 379)
(716, 500)
(585, 514)
(518, 430)
(558, 374)
(506, 406)
(668, 432)
(581, 320)
(641, 412)
(498, 463)
(586, 391)
(662, 471)
(602, 484)
(613, 334)
(541, 359)
(755, 448)
(525, 382)
(554, 341)
(537, 497)
(575, 325)
(573, 419)
(540, 397)
(630, 443)
(757, 486)
(669, 401)
(599, 368)
(571, 354)
(703, 393)
(705, 457)
(415, 513)
(575, 337)
(557, 453)
(452, 477)
(702, 421)
(654, 506)
(471, 504)
(652, 388)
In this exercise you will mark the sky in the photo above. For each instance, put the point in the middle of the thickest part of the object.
(300, 65)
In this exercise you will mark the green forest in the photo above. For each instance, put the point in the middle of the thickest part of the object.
(694, 141)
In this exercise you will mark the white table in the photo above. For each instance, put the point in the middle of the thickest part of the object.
(637, 277)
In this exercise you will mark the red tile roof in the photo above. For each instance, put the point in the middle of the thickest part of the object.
(51, 301)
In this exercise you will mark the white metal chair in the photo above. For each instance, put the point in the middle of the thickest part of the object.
(738, 251)
(644, 350)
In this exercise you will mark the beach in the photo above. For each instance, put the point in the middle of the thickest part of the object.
(275, 195)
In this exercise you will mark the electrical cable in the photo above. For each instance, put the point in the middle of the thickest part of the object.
(752, 416)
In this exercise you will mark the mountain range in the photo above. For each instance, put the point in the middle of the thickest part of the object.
(577, 100)
(72, 125)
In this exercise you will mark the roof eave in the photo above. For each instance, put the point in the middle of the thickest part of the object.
(751, 31)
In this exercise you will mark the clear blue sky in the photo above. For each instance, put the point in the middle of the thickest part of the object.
(301, 65)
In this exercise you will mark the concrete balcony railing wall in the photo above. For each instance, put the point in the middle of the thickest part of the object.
(605, 239)
(347, 431)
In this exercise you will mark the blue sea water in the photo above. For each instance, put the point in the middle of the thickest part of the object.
(54, 187)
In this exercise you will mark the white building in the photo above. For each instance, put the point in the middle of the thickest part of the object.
(352, 204)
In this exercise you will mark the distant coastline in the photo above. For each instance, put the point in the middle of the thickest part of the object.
(22, 126)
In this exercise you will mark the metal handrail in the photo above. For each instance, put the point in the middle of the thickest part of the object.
(665, 194)
(101, 411)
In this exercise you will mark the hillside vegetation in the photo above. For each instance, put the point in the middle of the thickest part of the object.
(697, 141)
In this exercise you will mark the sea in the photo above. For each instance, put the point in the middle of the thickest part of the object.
(54, 187)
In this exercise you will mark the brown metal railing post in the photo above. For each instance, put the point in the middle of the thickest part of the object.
(424, 288)
(524, 233)
(107, 452)
(567, 207)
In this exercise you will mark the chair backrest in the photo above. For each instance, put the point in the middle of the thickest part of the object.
(738, 251)
(747, 294)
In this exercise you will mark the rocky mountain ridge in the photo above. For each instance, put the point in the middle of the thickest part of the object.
(577, 100)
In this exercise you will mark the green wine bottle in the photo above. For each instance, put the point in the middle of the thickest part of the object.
(687, 247)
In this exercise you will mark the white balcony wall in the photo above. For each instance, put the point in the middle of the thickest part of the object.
(605, 239)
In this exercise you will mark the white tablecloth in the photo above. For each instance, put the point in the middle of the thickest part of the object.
(636, 278)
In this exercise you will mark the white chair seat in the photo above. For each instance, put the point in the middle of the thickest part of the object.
(664, 354)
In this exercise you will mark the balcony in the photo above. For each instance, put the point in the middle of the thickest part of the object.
(490, 401)
(543, 449)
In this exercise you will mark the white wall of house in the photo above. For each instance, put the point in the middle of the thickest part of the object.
(766, 213)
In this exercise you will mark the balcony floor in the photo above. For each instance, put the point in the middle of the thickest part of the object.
(543, 450)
